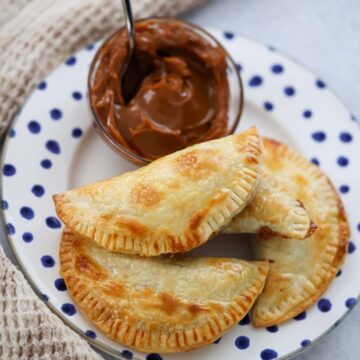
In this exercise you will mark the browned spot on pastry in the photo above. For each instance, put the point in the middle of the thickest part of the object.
(89, 268)
(265, 233)
(146, 292)
(300, 181)
(251, 160)
(168, 303)
(217, 307)
(145, 194)
(114, 289)
(195, 309)
(248, 142)
(273, 164)
(312, 228)
(135, 227)
(153, 326)
(156, 247)
(197, 219)
(106, 217)
(248, 298)
(272, 144)
(196, 165)
(177, 245)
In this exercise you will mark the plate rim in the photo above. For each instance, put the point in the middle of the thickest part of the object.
(4, 143)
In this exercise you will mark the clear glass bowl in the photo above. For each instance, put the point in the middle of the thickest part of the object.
(236, 95)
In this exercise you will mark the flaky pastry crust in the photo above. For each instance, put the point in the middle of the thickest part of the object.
(273, 211)
(158, 304)
(300, 271)
(172, 205)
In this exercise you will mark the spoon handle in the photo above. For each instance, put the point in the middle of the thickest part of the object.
(129, 25)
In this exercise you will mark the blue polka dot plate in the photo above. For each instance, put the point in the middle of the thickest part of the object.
(53, 147)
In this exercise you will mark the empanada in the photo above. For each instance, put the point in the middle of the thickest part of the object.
(158, 304)
(300, 271)
(172, 205)
(273, 211)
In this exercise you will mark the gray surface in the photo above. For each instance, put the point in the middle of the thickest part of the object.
(325, 36)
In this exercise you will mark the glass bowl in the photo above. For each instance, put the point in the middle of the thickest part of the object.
(236, 96)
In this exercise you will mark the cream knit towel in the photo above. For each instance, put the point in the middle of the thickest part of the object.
(35, 35)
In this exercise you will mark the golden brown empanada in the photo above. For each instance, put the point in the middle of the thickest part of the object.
(172, 205)
(300, 271)
(158, 304)
(273, 211)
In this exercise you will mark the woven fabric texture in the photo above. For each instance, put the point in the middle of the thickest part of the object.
(35, 36)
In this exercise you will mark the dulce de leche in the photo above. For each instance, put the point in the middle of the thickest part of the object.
(175, 91)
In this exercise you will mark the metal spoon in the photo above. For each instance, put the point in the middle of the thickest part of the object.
(129, 19)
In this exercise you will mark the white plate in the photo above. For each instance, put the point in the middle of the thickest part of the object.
(53, 147)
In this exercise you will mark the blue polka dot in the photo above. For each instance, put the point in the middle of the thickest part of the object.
(245, 320)
(27, 212)
(53, 222)
(60, 284)
(10, 229)
(56, 114)
(127, 354)
(358, 226)
(4, 205)
(307, 114)
(277, 69)
(345, 137)
(339, 273)
(77, 95)
(320, 84)
(268, 106)
(27, 237)
(318, 136)
(289, 91)
(42, 85)
(349, 303)
(153, 357)
(46, 163)
(90, 47)
(68, 309)
(342, 161)
(324, 305)
(44, 297)
(34, 127)
(315, 161)
(256, 80)
(217, 340)
(38, 190)
(272, 329)
(239, 67)
(305, 342)
(91, 334)
(53, 146)
(228, 35)
(71, 61)
(76, 133)
(242, 342)
(12, 133)
(9, 170)
(268, 354)
(47, 261)
(301, 316)
(351, 247)
(344, 189)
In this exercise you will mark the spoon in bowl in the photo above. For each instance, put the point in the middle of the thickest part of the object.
(130, 27)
